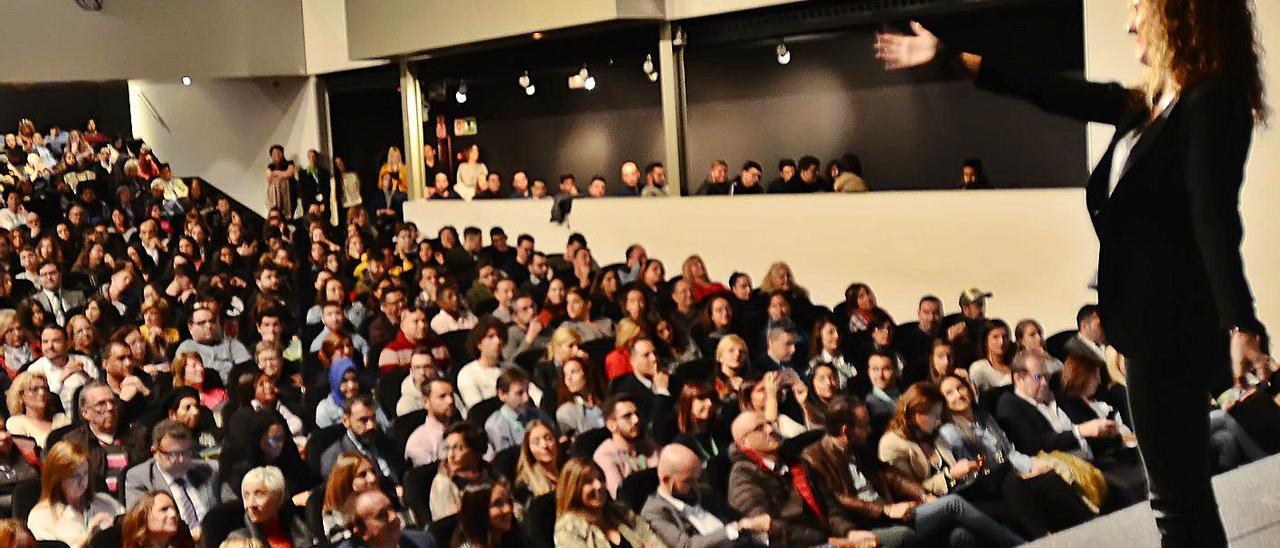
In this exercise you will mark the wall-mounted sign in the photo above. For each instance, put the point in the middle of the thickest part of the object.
(464, 127)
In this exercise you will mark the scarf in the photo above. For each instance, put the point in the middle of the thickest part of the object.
(799, 479)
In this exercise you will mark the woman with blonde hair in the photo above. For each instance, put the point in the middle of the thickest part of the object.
(396, 167)
(538, 465)
(779, 277)
(29, 414)
(69, 509)
(154, 522)
(17, 348)
(731, 361)
(586, 516)
(695, 270)
(618, 361)
(1164, 201)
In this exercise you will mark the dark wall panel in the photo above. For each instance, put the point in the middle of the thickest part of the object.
(70, 105)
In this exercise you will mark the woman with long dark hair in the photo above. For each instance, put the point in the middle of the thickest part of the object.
(1164, 201)
(487, 518)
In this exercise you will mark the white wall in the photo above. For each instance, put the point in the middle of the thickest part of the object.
(686, 9)
(324, 24)
(56, 41)
(220, 129)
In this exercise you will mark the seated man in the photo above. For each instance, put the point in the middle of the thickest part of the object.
(335, 322)
(627, 450)
(1034, 422)
(218, 353)
(363, 436)
(780, 349)
(506, 426)
(793, 494)
(524, 330)
(65, 372)
(426, 443)
(894, 507)
(192, 482)
(375, 523)
(452, 316)
(647, 385)
(680, 517)
(112, 447)
(413, 332)
(130, 386)
(422, 368)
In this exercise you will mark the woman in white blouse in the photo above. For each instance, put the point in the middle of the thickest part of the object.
(28, 401)
(992, 371)
(471, 174)
(69, 510)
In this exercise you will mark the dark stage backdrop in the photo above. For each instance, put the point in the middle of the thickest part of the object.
(71, 105)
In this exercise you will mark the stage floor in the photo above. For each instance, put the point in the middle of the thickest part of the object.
(1248, 497)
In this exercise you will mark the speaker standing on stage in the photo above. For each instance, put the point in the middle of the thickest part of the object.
(1164, 203)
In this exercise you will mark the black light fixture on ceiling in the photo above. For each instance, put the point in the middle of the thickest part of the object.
(461, 95)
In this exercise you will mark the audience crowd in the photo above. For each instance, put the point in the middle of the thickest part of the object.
(177, 372)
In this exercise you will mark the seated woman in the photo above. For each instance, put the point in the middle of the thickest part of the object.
(1043, 502)
(464, 445)
(604, 294)
(695, 270)
(1029, 335)
(578, 317)
(587, 517)
(21, 456)
(267, 519)
(580, 394)
(763, 396)
(731, 368)
(553, 309)
(617, 362)
(714, 323)
(29, 409)
(822, 388)
(942, 363)
(19, 347)
(827, 346)
(487, 518)
(697, 422)
(673, 344)
(561, 347)
(352, 473)
(478, 380)
(331, 289)
(634, 302)
(538, 466)
(344, 383)
(910, 443)
(184, 407)
(188, 370)
(154, 521)
(996, 349)
(70, 510)
(260, 438)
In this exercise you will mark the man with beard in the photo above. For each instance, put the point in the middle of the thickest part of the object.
(681, 517)
(359, 417)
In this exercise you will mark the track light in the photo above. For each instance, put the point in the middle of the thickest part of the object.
(186, 80)
(584, 73)
(530, 89)
(653, 76)
(648, 64)
(461, 95)
(590, 83)
(524, 80)
(784, 54)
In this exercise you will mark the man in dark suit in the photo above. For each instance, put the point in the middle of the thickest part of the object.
(375, 523)
(681, 517)
(648, 386)
(363, 436)
(313, 182)
(193, 483)
(112, 447)
(780, 349)
(57, 301)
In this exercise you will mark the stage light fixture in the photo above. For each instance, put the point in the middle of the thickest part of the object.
(784, 54)
(530, 89)
(186, 80)
(584, 73)
(590, 83)
(648, 64)
(653, 76)
(524, 80)
(461, 95)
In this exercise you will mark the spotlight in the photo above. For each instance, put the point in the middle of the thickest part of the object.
(784, 54)
(186, 80)
(524, 80)
(590, 83)
(531, 89)
(583, 73)
(461, 95)
(537, 36)
(648, 64)
(653, 76)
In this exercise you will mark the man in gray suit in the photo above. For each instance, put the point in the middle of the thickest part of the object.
(676, 513)
(193, 483)
(57, 301)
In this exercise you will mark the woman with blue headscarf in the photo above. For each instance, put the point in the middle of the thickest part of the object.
(344, 383)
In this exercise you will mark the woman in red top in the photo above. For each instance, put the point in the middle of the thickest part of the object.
(695, 271)
(618, 362)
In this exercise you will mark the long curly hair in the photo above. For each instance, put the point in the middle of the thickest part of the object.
(1190, 41)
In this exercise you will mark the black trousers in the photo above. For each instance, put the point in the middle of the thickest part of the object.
(1167, 395)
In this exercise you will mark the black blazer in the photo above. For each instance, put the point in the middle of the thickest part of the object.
(1170, 274)
(1029, 431)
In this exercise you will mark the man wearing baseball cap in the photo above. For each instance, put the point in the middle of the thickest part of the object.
(973, 313)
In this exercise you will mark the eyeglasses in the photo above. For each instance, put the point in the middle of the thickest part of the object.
(181, 454)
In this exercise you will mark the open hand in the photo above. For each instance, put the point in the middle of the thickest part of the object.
(900, 51)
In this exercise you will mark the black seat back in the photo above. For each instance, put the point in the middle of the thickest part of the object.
(637, 487)
(219, 522)
(417, 493)
(480, 412)
(585, 444)
(388, 390)
(540, 521)
(403, 426)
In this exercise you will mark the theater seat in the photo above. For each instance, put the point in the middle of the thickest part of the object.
(637, 487)
(540, 521)
(585, 444)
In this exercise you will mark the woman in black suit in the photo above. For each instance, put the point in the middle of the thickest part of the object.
(1164, 204)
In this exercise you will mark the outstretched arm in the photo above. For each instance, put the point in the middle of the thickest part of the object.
(1058, 93)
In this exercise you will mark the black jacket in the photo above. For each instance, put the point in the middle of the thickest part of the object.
(1170, 274)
